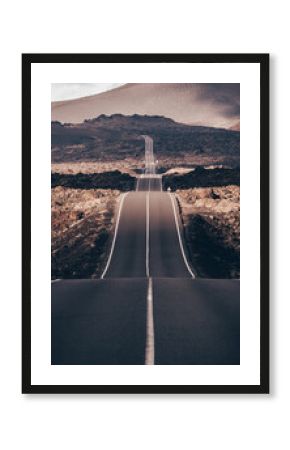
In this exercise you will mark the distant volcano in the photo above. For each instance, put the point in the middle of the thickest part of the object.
(206, 104)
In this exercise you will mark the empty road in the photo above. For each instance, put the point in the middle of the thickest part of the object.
(148, 307)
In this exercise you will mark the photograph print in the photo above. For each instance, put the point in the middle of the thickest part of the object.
(145, 229)
(145, 224)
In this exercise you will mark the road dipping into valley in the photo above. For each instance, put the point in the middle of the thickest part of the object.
(148, 307)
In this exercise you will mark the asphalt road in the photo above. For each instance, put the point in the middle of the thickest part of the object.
(148, 307)
(166, 258)
(104, 321)
(128, 258)
(196, 321)
(149, 183)
(99, 321)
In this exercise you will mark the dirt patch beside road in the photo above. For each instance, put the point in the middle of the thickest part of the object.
(211, 218)
(82, 223)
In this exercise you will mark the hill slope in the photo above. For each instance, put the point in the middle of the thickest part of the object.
(215, 104)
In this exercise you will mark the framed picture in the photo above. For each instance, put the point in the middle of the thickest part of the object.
(145, 223)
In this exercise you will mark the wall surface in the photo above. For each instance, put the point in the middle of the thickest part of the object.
(142, 422)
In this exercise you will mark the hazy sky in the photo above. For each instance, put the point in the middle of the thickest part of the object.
(66, 91)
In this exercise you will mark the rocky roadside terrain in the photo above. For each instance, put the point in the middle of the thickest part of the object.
(82, 222)
(127, 165)
(211, 218)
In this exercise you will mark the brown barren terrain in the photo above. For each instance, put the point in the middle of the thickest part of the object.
(127, 165)
(81, 228)
(211, 218)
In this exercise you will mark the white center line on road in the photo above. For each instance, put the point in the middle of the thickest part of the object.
(115, 235)
(179, 237)
(149, 350)
(147, 234)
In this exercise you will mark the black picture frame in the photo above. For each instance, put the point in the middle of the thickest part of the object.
(27, 61)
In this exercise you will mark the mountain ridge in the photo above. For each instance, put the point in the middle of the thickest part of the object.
(118, 137)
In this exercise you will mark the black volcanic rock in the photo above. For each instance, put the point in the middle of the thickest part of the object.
(104, 180)
(201, 177)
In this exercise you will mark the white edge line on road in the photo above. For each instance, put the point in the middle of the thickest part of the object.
(56, 280)
(115, 235)
(149, 350)
(179, 237)
(147, 235)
